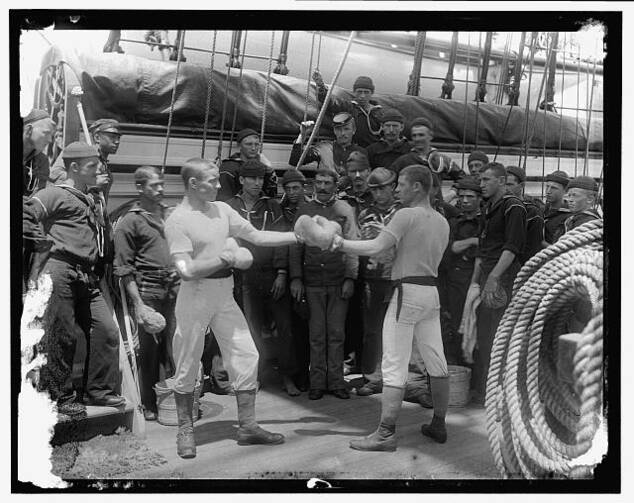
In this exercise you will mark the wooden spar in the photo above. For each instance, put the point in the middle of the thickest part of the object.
(234, 59)
(266, 90)
(281, 67)
(577, 115)
(413, 84)
(561, 115)
(448, 85)
(322, 112)
(179, 57)
(481, 90)
(528, 93)
(308, 77)
(236, 105)
(499, 92)
(549, 100)
(209, 90)
(466, 91)
(585, 159)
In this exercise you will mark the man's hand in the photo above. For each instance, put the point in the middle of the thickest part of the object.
(490, 287)
(297, 289)
(347, 288)
(103, 180)
(279, 286)
(319, 80)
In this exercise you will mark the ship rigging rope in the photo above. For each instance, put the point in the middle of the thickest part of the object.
(238, 101)
(209, 90)
(537, 425)
(179, 57)
(324, 106)
(267, 86)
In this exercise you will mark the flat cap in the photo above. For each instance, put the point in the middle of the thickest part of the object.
(517, 172)
(478, 155)
(391, 114)
(558, 177)
(363, 82)
(34, 116)
(341, 119)
(252, 167)
(422, 121)
(79, 150)
(357, 161)
(583, 182)
(246, 132)
(104, 126)
(293, 175)
(469, 183)
(380, 177)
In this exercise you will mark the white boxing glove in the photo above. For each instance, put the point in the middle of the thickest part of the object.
(242, 258)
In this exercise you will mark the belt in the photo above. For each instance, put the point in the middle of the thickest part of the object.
(222, 273)
(72, 261)
(413, 280)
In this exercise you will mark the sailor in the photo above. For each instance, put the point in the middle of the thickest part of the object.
(501, 244)
(249, 144)
(63, 221)
(37, 132)
(365, 111)
(393, 144)
(264, 292)
(556, 209)
(375, 276)
(358, 194)
(143, 263)
(328, 154)
(475, 162)
(581, 196)
(515, 184)
(420, 235)
(197, 233)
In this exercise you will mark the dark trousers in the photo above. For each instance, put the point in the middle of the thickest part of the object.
(326, 336)
(299, 323)
(156, 351)
(487, 324)
(259, 310)
(458, 281)
(77, 309)
(353, 345)
(375, 301)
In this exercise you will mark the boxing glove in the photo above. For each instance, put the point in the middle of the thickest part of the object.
(316, 231)
(153, 322)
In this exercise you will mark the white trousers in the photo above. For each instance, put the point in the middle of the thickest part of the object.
(209, 302)
(418, 324)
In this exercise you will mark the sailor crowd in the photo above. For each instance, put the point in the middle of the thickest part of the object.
(313, 315)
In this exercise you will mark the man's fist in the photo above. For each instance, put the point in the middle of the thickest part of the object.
(317, 231)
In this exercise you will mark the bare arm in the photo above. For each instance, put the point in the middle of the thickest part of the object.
(505, 260)
(477, 270)
(384, 241)
(190, 269)
(463, 244)
(132, 289)
(270, 238)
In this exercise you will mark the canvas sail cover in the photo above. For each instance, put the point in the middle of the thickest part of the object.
(139, 90)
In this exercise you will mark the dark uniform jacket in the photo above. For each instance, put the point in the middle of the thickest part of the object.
(140, 246)
(368, 123)
(64, 219)
(325, 268)
(381, 154)
(358, 202)
(554, 223)
(534, 229)
(577, 219)
(339, 155)
(265, 214)
(230, 179)
(379, 267)
(463, 227)
(35, 172)
(504, 229)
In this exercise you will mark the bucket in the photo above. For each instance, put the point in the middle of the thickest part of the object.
(459, 380)
(166, 405)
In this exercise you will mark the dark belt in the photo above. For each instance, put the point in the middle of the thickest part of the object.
(414, 280)
(222, 273)
(74, 262)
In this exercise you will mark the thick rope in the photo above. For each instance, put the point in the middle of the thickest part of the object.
(537, 425)
(266, 91)
(171, 111)
(209, 91)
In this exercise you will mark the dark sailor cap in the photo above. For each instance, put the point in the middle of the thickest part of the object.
(469, 183)
(583, 182)
(341, 119)
(34, 116)
(380, 177)
(246, 132)
(252, 168)
(517, 172)
(560, 177)
(104, 126)
(79, 150)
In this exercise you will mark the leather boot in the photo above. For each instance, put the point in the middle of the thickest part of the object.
(249, 432)
(185, 442)
(384, 438)
(440, 397)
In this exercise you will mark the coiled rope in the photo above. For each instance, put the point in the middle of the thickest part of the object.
(539, 426)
